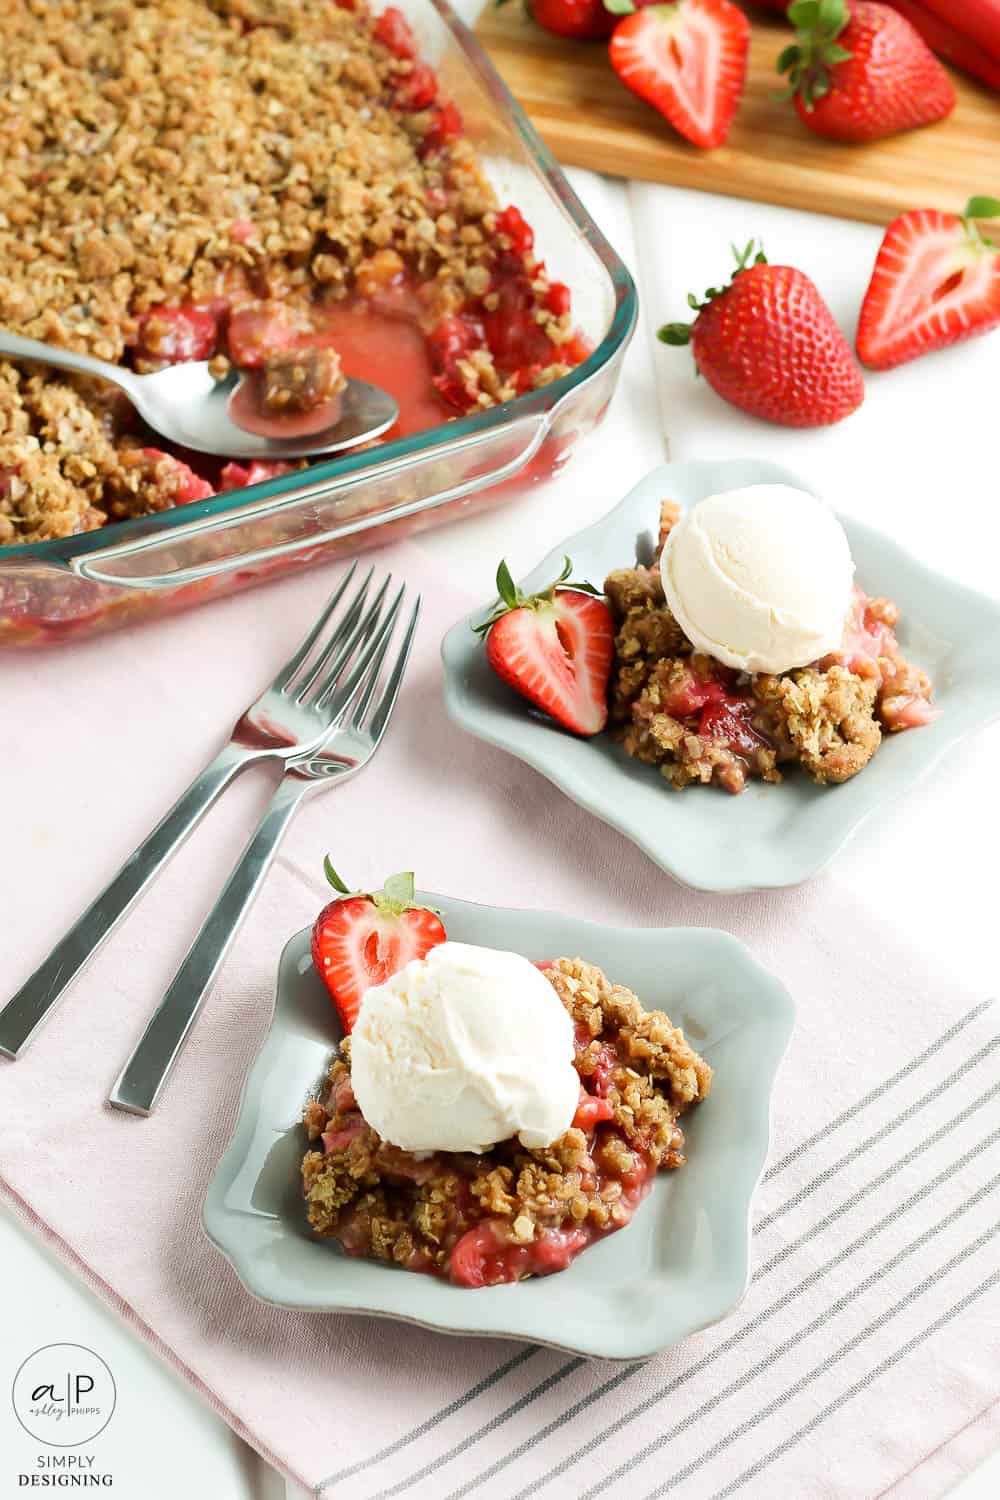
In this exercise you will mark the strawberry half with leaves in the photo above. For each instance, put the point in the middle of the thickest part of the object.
(936, 280)
(862, 73)
(688, 60)
(767, 343)
(363, 938)
(554, 648)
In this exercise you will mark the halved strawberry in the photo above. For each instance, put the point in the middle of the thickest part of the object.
(554, 648)
(363, 938)
(936, 280)
(687, 60)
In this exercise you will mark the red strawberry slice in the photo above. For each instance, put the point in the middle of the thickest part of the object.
(188, 485)
(731, 723)
(484, 1255)
(446, 125)
(393, 30)
(687, 60)
(259, 329)
(691, 693)
(591, 1112)
(554, 648)
(236, 476)
(363, 938)
(936, 280)
(178, 334)
(417, 90)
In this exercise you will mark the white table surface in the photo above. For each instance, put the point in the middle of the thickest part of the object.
(914, 454)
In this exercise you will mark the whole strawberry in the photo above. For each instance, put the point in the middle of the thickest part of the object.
(936, 280)
(768, 344)
(862, 73)
(583, 20)
(364, 937)
(554, 648)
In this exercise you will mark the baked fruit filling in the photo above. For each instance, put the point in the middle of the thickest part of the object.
(277, 186)
(702, 722)
(500, 1216)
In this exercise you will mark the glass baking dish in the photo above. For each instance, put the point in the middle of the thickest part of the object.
(58, 590)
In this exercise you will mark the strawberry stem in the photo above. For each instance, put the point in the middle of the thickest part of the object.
(396, 896)
(511, 597)
(677, 334)
(818, 24)
(398, 891)
(980, 207)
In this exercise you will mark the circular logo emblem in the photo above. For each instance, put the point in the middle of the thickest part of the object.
(64, 1395)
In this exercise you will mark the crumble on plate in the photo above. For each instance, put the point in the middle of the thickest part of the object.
(482, 1219)
(703, 722)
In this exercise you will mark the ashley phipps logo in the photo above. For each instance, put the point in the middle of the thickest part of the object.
(64, 1395)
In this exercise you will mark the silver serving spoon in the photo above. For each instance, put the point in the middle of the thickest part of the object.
(187, 405)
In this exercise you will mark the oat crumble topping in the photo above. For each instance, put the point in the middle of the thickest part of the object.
(166, 163)
(638, 1074)
(701, 723)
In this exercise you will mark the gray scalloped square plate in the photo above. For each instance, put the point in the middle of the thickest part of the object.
(769, 836)
(682, 1264)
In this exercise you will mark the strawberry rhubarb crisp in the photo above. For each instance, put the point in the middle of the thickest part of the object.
(275, 185)
(479, 1218)
(703, 721)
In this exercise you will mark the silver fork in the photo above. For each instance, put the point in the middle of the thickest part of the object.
(291, 717)
(361, 712)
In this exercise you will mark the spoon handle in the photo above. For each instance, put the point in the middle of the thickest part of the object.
(13, 346)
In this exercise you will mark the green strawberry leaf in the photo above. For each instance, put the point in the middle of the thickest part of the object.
(804, 13)
(619, 7)
(511, 597)
(832, 16)
(398, 890)
(815, 50)
(506, 587)
(982, 207)
(752, 254)
(335, 879)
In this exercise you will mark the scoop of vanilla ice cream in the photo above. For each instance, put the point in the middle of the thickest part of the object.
(760, 577)
(463, 1048)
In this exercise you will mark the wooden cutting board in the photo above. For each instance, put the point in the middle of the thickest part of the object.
(589, 119)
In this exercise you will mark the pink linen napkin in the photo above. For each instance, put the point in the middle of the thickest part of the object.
(864, 1359)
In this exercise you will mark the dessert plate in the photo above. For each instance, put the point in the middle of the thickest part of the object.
(680, 1265)
(768, 836)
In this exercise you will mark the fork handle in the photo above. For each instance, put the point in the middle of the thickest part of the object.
(25, 1011)
(139, 1084)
